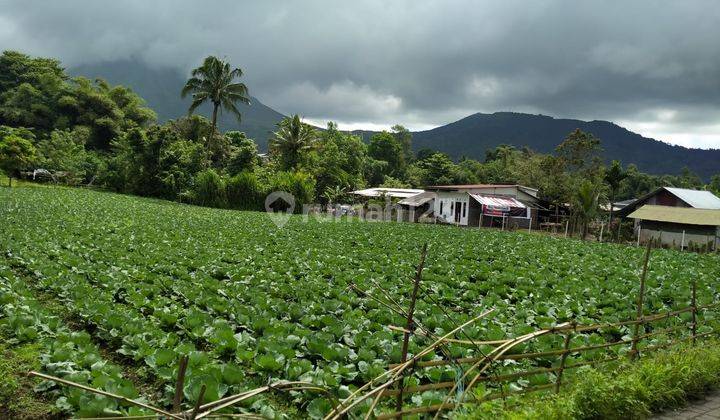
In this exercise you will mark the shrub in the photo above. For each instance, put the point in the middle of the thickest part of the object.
(244, 192)
(299, 184)
(209, 189)
(634, 390)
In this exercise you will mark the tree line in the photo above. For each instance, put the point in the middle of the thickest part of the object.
(88, 132)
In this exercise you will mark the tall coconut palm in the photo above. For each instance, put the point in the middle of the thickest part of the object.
(214, 82)
(292, 141)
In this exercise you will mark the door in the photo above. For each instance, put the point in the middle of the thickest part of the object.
(458, 211)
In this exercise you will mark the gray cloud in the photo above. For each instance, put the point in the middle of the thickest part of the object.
(652, 65)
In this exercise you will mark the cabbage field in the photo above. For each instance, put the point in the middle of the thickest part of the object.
(114, 289)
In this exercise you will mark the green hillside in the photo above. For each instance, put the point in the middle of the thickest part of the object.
(470, 136)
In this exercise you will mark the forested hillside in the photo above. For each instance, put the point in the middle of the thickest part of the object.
(160, 87)
(473, 135)
(91, 132)
(470, 136)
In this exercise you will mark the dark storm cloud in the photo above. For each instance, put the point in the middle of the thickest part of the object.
(652, 65)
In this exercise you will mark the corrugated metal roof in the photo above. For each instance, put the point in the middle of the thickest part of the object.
(495, 201)
(696, 198)
(682, 215)
(418, 199)
(388, 192)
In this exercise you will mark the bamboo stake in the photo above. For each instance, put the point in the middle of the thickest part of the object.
(567, 225)
(694, 311)
(566, 351)
(197, 403)
(410, 323)
(179, 384)
(488, 359)
(107, 394)
(634, 349)
(392, 373)
(682, 242)
(602, 226)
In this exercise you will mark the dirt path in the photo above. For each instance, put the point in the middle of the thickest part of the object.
(703, 409)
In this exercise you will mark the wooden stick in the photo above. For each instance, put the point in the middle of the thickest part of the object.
(566, 351)
(694, 311)
(343, 408)
(107, 394)
(682, 242)
(198, 403)
(179, 384)
(634, 350)
(409, 325)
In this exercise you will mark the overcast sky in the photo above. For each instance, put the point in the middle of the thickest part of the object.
(651, 66)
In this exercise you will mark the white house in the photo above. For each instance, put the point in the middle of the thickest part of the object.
(485, 204)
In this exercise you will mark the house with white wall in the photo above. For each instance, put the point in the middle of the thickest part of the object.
(491, 205)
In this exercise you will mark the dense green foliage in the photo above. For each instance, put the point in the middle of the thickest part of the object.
(152, 280)
(632, 390)
(92, 133)
(470, 136)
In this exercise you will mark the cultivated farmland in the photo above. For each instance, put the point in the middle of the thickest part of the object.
(115, 289)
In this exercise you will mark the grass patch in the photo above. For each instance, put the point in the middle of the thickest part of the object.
(664, 380)
(20, 182)
(17, 398)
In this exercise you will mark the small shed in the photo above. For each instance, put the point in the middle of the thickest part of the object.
(674, 197)
(678, 226)
(419, 206)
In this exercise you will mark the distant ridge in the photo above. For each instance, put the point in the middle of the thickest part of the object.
(470, 136)
(474, 134)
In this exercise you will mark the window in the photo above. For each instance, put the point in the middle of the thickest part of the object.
(441, 206)
(464, 207)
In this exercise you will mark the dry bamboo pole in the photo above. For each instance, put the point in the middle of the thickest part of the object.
(107, 394)
(344, 407)
(201, 395)
(560, 330)
(244, 396)
(682, 242)
(566, 351)
(694, 311)
(489, 358)
(634, 350)
(520, 340)
(207, 409)
(179, 384)
(410, 325)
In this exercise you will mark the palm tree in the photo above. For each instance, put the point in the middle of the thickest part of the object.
(214, 82)
(613, 177)
(585, 205)
(291, 141)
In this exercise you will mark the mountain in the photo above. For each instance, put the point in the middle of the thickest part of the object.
(160, 87)
(470, 136)
(474, 134)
